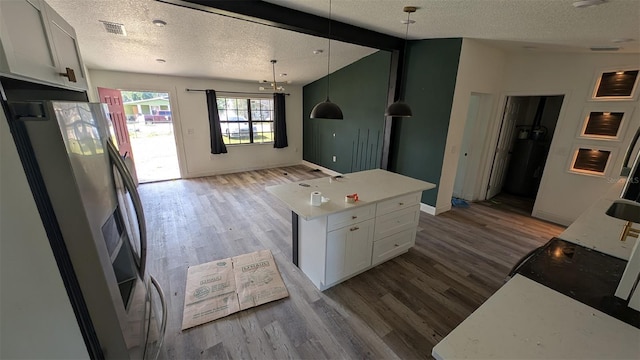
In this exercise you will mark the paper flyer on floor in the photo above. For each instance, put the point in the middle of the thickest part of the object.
(223, 287)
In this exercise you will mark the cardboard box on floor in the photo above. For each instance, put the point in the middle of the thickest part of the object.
(223, 287)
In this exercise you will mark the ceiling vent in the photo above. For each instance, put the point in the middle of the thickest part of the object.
(114, 28)
(580, 4)
(605, 48)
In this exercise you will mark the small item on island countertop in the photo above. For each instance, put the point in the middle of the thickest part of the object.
(316, 198)
(351, 198)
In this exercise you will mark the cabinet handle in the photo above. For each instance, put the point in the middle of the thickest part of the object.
(354, 217)
(396, 245)
(70, 74)
(400, 203)
(354, 228)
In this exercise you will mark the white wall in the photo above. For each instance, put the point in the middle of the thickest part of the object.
(563, 195)
(191, 124)
(37, 319)
(480, 70)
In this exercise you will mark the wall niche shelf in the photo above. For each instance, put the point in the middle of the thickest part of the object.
(616, 85)
(591, 160)
(605, 122)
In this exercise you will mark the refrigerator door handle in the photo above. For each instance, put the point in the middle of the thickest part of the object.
(163, 326)
(626, 169)
(135, 198)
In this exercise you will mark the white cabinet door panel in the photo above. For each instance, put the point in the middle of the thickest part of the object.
(26, 42)
(348, 250)
(359, 246)
(64, 39)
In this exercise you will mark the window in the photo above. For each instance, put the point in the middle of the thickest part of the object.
(246, 121)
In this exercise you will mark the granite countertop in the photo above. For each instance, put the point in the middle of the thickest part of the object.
(370, 185)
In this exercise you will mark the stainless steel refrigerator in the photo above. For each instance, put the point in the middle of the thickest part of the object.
(93, 217)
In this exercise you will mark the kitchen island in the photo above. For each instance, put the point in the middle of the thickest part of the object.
(525, 319)
(337, 239)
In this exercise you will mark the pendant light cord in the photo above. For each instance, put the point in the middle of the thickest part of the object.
(275, 85)
(329, 54)
(406, 34)
(404, 59)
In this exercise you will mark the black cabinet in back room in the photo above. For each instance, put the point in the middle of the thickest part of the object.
(525, 167)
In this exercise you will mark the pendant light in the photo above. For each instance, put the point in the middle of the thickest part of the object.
(277, 86)
(327, 109)
(401, 108)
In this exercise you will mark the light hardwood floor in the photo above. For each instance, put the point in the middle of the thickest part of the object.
(399, 309)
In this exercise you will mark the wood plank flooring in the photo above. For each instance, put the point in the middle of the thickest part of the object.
(399, 309)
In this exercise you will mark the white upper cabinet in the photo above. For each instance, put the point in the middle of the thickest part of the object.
(27, 45)
(38, 44)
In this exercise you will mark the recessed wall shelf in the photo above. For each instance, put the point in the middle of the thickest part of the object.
(606, 121)
(591, 161)
(616, 85)
(603, 124)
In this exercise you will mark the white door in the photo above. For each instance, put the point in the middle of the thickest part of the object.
(465, 147)
(501, 157)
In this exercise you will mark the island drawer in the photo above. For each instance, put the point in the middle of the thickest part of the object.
(350, 217)
(394, 222)
(398, 203)
(393, 245)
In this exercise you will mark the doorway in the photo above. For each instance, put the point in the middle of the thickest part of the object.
(526, 131)
(143, 124)
(151, 132)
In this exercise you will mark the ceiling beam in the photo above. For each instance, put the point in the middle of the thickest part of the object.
(289, 19)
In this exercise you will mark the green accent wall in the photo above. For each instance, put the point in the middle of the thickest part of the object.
(360, 89)
(418, 143)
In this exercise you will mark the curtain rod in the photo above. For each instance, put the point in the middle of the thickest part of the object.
(235, 92)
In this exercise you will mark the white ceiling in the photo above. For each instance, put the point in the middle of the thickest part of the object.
(200, 44)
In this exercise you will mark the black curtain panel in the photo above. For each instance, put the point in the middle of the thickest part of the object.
(217, 144)
(280, 123)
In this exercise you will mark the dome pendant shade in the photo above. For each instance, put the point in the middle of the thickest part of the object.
(399, 109)
(327, 110)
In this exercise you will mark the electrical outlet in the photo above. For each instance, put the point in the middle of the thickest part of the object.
(334, 158)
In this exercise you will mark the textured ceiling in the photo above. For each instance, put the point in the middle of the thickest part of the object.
(200, 44)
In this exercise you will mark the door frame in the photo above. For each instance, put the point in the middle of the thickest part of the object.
(175, 121)
(497, 125)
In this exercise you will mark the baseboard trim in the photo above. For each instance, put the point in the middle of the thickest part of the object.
(235, 170)
(431, 210)
(323, 169)
(556, 219)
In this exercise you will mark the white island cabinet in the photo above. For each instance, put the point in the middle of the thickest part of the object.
(38, 44)
(338, 240)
